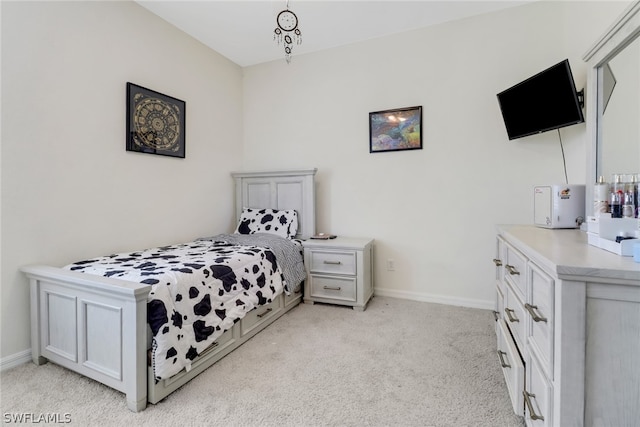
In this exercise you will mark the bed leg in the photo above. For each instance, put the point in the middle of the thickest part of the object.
(34, 294)
(38, 360)
(136, 405)
(134, 339)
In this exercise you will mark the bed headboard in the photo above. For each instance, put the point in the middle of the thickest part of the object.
(285, 189)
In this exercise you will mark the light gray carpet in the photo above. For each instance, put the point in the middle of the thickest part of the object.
(399, 363)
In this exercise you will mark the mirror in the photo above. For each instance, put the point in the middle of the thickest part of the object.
(620, 141)
(613, 102)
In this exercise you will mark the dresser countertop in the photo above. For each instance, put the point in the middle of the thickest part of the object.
(567, 253)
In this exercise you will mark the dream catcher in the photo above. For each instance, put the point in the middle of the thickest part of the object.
(287, 31)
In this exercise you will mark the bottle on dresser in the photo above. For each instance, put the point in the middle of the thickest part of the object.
(601, 197)
(629, 205)
(616, 200)
(631, 194)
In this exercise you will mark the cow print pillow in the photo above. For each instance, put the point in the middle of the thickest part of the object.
(283, 223)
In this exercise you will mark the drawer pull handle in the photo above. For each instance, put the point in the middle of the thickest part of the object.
(496, 315)
(527, 402)
(512, 270)
(332, 288)
(530, 308)
(497, 262)
(502, 362)
(512, 318)
(210, 348)
(332, 262)
(265, 313)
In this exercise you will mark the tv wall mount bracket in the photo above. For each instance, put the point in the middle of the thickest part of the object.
(581, 98)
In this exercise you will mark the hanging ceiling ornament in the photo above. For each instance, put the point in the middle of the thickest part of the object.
(287, 31)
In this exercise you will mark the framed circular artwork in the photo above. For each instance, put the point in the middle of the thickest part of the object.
(155, 122)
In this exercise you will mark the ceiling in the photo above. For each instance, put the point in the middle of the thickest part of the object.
(242, 30)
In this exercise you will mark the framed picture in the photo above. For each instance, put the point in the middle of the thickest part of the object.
(394, 130)
(155, 122)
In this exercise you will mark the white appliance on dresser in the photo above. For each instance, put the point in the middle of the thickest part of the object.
(568, 328)
(558, 205)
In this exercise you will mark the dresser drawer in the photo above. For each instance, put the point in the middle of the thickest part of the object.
(259, 315)
(515, 267)
(540, 311)
(499, 307)
(538, 396)
(512, 367)
(333, 287)
(515, 316)
(328, 261)
(498, 261)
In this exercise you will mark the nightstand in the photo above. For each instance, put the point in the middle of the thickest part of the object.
(339, 271)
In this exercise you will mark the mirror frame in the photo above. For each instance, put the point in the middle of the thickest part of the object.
(619, 35)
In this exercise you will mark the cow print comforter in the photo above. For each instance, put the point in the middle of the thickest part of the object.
(199, 290)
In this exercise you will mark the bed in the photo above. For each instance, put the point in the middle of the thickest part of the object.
(101, 317)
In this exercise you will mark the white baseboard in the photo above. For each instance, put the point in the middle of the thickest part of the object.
(15, 360)
(438, 299)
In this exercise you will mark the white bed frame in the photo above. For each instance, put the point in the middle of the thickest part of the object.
(97, 326)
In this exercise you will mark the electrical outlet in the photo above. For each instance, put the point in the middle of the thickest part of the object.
(391, 265)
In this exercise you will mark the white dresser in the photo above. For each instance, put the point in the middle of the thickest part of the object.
(339, 271)
(568, 328)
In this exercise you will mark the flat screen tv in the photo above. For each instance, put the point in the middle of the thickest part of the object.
(543, 102)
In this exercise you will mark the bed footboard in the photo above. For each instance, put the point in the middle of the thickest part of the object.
(93, 325)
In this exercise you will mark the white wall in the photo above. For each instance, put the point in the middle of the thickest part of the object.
(69, 189)
(432, 211)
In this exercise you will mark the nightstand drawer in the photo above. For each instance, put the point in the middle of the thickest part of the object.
(338, 262)
(336, 288)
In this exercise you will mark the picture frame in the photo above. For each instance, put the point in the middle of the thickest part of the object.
(155, 122)
(399, 129)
